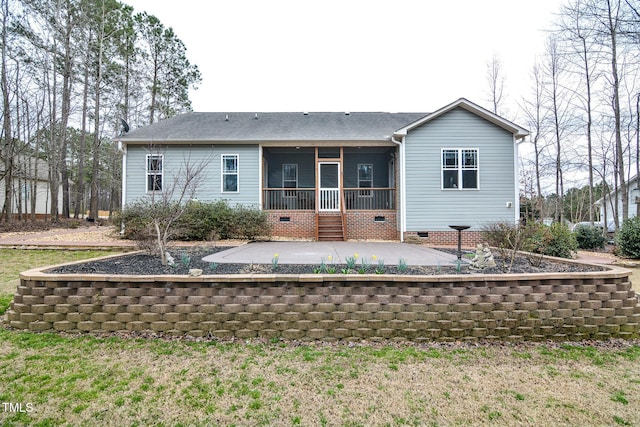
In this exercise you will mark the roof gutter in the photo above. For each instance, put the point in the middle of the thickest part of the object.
(402, 201)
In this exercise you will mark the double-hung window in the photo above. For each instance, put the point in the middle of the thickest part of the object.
(460, 168)
(154, 172)
(365, 178)
(290, 175)
(230, 173)
(290, 180)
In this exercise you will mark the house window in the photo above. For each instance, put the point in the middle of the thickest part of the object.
(460, 169)
(154, 172)
(290, 175)
(365, 178)
(229, 173)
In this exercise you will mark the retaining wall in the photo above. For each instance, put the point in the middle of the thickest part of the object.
(560, 306)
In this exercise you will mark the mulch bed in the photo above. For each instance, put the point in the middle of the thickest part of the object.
(191, 258)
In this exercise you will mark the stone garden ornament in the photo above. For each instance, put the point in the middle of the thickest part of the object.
(483, 258)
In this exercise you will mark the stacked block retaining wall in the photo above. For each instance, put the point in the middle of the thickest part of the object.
(561, 306)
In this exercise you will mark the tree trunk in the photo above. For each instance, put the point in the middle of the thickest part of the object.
(79, 205)
(624, 191)
(66, 110)
(6, 122)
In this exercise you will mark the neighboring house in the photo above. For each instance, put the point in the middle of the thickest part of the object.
(342, 175)
(30, 179)
(634, 202)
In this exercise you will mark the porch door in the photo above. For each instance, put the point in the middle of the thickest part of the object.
(329, 182)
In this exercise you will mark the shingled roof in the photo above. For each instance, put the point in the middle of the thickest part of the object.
(248, 127)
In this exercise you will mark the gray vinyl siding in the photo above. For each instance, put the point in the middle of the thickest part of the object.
(428, 206)
(211, 187)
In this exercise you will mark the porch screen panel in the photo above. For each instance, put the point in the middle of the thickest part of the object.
(329, 176)
(328, 152)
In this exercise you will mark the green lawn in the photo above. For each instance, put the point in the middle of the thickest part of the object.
(13, 261)
(89, 380)
(122, 381)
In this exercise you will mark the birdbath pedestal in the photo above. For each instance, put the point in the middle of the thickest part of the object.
(459, 228)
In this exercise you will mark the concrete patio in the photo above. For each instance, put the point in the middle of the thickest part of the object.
(314, 252)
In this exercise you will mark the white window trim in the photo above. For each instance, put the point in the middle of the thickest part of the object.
(460, 168)
(283, 180)
(147, 173)
(222, 172)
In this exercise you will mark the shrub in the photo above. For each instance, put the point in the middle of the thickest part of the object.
(508, 238)
(561, 241)
(589, 237)
(501, 235)
(206, 221)
(136, 218)
(200, 221)
(628, 238)
(152, 224)
(249, 222)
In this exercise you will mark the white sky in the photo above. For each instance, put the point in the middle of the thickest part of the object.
(354, 55)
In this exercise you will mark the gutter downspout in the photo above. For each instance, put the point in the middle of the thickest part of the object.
(402, 186)
(260, 176)
(123, 148)
(516, 170)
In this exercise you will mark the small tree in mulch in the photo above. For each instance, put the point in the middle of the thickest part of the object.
(508, 238)
(152, 220)
(537, 239)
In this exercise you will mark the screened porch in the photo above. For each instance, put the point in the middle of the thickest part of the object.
(326, 179)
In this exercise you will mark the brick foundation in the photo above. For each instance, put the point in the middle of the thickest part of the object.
(446, 238)
(559, 306)
(363, 225)
(360, 225)
(300, 224)
(378, 225)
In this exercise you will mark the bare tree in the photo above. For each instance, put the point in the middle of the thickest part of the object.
(7, 148)
(612, 26)
(536, 118)
(496, 82)
(638, 151)
(169, 205)
(559, 113)
(579, 35)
